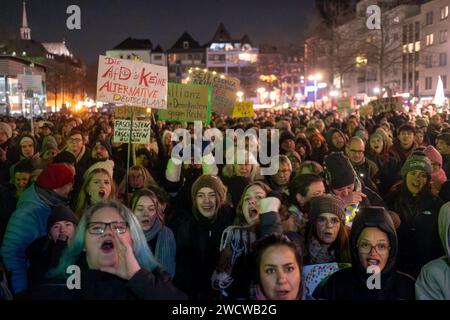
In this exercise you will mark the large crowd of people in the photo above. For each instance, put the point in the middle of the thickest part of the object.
(364, 197)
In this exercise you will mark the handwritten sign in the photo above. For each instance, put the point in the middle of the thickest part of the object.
(140, 135)
(132, 83)
(386, 105)
(224, 89)
(187, 103)
(243, 109)
(125, 112)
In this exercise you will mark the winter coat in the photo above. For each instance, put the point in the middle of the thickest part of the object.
(418, 232)
(27, 223)
(433, 282)
(198, 242)
(368, 172)
(98, 285)
(351, 283)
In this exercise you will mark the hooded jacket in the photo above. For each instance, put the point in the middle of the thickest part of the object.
(433, 282)
(351, 283)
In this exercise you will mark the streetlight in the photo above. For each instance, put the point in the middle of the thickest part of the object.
(315, 78)
(240, 94)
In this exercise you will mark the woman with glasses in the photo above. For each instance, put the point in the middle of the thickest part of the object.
(326, 234)
(108, 259)
(373, 274)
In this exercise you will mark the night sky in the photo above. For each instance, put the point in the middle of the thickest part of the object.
(105, 23)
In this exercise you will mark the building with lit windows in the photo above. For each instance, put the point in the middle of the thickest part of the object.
(139, 50)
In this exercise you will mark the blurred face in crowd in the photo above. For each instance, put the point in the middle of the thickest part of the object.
(315, 189)
(373, 248)
(344, 191)
(319, 125)
(442, 147)
(327, 228)
(206, 202)
(352, 124)
(419, 137)
(406, 139)
(75, 144)
(338, 140)
(436, 120)
(136, 179)
(329, 119)
(243, 170)
(49, 154)
(45, 131)
(355, 151)
(101, 250)
(250, 205)
(21, 180)
(145, 212)
(3, 137)
(416, 180)
(316, 142)
(283, 175)
(279, 273)
(99, 152)
(288, 144)
(65, 190)
(62, 230)
(376, 143)
(143, 160)
(99, 188)
(27, 148)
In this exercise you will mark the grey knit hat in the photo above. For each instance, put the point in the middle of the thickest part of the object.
(327, 203)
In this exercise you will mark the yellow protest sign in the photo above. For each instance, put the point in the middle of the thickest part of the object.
(187, 103)
(123, 112)
(243, 109)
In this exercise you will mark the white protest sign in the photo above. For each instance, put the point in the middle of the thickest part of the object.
(30, 82)
(132, 83)
(140, 135)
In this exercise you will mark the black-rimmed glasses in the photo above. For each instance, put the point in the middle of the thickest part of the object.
(98, 228)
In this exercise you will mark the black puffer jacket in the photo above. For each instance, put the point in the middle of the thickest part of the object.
(351, 283)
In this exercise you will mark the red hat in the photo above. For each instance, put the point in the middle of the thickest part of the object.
(54, 176)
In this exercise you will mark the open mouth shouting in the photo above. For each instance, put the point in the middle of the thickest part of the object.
(253, 212)
(282, 294)
(102, 194)
(372, 262)
(107, 246)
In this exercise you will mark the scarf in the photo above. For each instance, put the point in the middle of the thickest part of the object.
(165, 245)
(51, 198)
(320, 253)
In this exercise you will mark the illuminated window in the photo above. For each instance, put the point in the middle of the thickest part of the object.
(429, 39)
(444, 12)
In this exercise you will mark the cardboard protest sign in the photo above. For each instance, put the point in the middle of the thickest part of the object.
(344, 104)
(132, 83)
(386, 105)
(140, 135)
(187, 103)
(224, 89)
(243, 109)
(125, 112)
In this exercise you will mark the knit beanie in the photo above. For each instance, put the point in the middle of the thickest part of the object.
(327, 203)
(209, 181)
(107, 165)
(433, 154)
(6, 129)
(54, 176)
(339, 170)
(61, 213)
(416, 162)
(105, 144)
(48, 143)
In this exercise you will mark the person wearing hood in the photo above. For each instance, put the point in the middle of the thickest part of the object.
(336, 140)
(198, 239)
(29, 221)
(433, 282)
(27, 150)
(418, 210)
(373, 248)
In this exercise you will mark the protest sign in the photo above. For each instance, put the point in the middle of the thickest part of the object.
(132, 83)
(187, 103)
(243, 109)
(224, 89)
(140, 134)
(386, 105)
(127, 111)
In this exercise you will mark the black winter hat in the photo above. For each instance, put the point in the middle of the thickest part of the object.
(61, 213)
(65, 157)
(286, 135)
(105, 144)
(339, 170)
